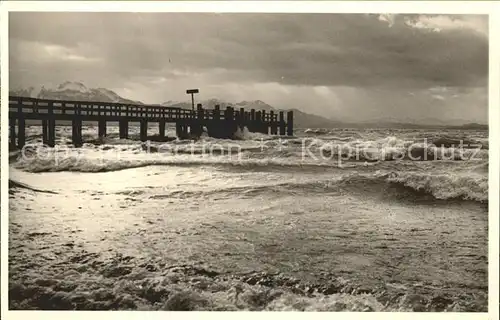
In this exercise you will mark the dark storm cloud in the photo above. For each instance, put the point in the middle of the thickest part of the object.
(299, 49)
(346, 66)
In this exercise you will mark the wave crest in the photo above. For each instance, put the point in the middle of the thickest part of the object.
(444, 186)
(392, 148)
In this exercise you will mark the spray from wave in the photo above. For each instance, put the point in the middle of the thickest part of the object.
(245, 134)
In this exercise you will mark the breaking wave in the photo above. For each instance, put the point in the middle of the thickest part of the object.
(440, 186)
(402, 185)
(245, 134)
(88, 164)
(393, 148)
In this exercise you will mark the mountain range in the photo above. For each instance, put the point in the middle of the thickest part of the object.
(78, 91)
(72, 91)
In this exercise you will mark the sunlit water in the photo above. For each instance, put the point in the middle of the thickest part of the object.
(269, 228)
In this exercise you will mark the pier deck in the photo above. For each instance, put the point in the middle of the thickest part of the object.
(217, 122)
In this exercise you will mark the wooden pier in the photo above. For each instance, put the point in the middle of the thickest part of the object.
(217, 122)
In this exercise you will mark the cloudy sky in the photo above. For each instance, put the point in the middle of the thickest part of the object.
(353, 67)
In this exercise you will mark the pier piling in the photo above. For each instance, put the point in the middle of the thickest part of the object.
(196, 125)
(45, 131)
(143, 130)
(123, 128)
(21, 133)
(76, 136)
(102, 128)
(214, 130)
(257, 122)
(161, 128)
(282, 124)
(216, 113)
(51, 133)
(263, 128)
(12, 125)
(289, 123)
(273, 125)
(230, 125)
(178, 129)
(251, 123)
(241, 119)
(51, 125)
